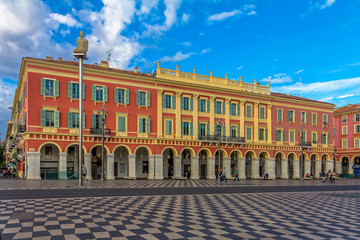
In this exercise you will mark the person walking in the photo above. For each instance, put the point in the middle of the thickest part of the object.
(236, 175)
(224, 174)
(84, 172)
(333, 176)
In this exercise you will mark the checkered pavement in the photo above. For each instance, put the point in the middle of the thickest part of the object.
(299, 215)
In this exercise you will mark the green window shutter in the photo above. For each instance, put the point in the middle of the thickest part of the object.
(105, 94)
(83, 120)
(289, 116)
(138, 98)
(215, 107)
(307, 117)
(223, 107)
(83, 90)
(182, 103)
(173, 101)
(121, 124)
(207, 129)
(238, 131)
(208, 105)
(94, 121)
(199, 105)
(191, 129)
(248, 133)
(356, 143)
(116, 95)
(127, 96)
(191, 104)
(314, 119)
(354, 116)
(148, 99)
(56, 90)
(70, 87)
(57, 120)
(199, 128)
(43, 118)
(167, 131)
(283, 135)
(224, 131)
(140, 125)
(148, 125)
(164, 101)
(42, 87)
(238, 109)
(182, 128)
(70, 125)
(266, 134)
(328, 139)
(93, 92)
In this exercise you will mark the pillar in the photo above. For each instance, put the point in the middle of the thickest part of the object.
(177, 167)
(159, 167)
(110, 167)
(307, 167)
(62, 174)
(151, 172)
(227, 166)
(194, 167)
(132, 166)
(270, 167)
(285, 168)
(351, 164)
(329, 164)
(87, 162)
(317, 168)
(338, 167)
(241, 167)
(296, 169)
(210, 168)
(33, 165)
(255, 168)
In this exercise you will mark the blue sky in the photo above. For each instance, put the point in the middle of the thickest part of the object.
(309, 48)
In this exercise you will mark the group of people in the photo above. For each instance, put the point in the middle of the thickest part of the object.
(9, 172)
(329, 175)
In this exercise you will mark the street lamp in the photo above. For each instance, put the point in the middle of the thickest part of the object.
(301, 155)
(102, 114)
(218, 127)
(334, 159)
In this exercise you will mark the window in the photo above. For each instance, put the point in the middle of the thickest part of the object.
(291, 115)
(49, 118)
(344, 130)
(202, 129)
(278, 135)
(356, 144)
(49, 87)
(233, 109)
(279, 114)
(96, 121)
(304, 117)
(75, 90)
(248, 111)
(261, 134)
(218, 107)
(344, 119)
(203, 105)
(186, 103)
(248, 133)
(73, 120)
(48, 150)
(325, 138)
(186, 128)
(262, 112)
(121, 96)
(356, 117)
(292, 136)
(143, 98)
(99, 93)
(314, 119)
(357, 129)
(144, 125)
(334, 131)
(344, 144)
(314, 137)
(121, 124)
(233, 132)
(167, 101)
(168, 127)
(325, 118)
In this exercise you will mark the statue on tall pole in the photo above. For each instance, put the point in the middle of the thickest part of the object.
(81, 44)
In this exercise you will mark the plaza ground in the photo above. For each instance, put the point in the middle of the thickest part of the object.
(179, 209)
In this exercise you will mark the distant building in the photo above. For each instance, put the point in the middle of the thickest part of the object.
(163, 126)
(347, 137)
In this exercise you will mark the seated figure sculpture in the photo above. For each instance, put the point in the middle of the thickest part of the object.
(81, 44)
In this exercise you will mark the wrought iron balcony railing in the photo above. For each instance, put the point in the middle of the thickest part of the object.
(98, 131)
(215, 138)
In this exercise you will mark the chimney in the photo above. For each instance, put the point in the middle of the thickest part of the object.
(104, 64)
(49, 58)
(136, 70)
(60, 59)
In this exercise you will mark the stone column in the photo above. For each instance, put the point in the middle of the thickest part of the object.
(151, 172)
(285, 168)
(329, 165)
(110, 166)
(317, 168)
(296, 169)
(338, 167)
(351, 170)
(210, 168)
(270, 167)
(227, 166)
(62, 166)
(241, 167)
(132, 166)
(87, 162)
(307, 167)
(194, 167)
(177, 167)
(33, 165)
(255, 168)
(159, 167)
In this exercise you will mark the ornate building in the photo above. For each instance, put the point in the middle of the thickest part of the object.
(346, 139)
(163, 126)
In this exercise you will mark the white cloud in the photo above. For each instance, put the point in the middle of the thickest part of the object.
(224, 15)
(345, 96)
(148, 5)
(326, 99)
(328, 3)
(185, 18)
(299, 71)
(205, 50)
(251, 13)
(354, 64)
(239, 68)
(6, 100)
(176, 58)
(186, 44)
(278, 79)
(67, 19)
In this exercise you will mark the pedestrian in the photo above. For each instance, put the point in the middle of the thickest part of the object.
(84, 172)
(220, 175)
(9, 173)
(224, 174)
(266, 176)
(333, 176)
(236, 175)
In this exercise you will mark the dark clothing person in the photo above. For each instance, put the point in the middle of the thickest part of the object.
(236, 175)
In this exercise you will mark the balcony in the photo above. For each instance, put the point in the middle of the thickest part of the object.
(223, 139)
(306, 144)
(21, 128)
(98, 132)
